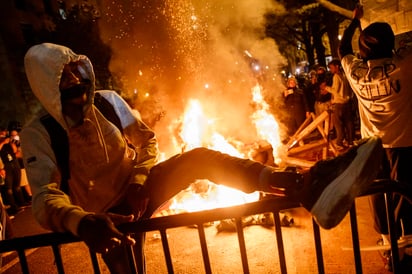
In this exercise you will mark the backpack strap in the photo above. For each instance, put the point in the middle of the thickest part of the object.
(60, 146)
(107, 109)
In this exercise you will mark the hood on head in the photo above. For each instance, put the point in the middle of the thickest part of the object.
(44, 65)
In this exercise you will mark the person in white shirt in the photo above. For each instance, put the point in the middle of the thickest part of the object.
(382, 82)
(342, 115)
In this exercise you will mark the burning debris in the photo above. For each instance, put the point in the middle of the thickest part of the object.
(196, 129)
(204, 195)
(264, 219)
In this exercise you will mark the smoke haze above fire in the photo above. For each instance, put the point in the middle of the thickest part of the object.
(168, 52)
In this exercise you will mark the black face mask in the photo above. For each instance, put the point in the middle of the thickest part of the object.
(75, 91)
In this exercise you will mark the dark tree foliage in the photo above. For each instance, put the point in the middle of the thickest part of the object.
(304, 25)
(29, 22)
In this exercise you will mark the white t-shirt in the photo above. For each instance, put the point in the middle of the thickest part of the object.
(384, 91)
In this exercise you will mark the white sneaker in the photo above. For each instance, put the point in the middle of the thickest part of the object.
(337, 182)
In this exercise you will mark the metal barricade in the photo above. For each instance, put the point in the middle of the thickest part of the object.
(162, 224)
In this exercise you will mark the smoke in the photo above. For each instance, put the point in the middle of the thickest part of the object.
(166, 52)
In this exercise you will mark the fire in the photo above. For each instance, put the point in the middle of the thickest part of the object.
(204, 195)
(266, 125)
(221, 144)
(198, 131)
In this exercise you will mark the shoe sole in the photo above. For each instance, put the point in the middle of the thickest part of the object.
(349, 184)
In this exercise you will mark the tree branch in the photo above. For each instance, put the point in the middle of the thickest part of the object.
(335, 8)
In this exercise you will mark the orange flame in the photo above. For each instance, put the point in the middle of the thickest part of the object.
(197, 131)
(266, 125)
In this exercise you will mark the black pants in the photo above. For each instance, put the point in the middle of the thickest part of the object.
(13, 195)
(343, 122)
(168, 178)
(397, 166)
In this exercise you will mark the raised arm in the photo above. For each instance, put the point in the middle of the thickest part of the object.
(345, 46)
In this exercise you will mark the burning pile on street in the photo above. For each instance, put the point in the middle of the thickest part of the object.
(197, 130)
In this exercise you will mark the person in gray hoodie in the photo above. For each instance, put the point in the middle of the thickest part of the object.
(115, 176)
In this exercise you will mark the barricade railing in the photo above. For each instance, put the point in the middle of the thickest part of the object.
(199, 219)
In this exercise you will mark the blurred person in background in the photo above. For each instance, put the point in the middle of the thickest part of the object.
(296, 106)
(342, 115)
(12, 190)
(14, 128)
(322, 96)
(309, 90)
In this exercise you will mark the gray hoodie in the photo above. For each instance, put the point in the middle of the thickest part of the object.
(102, 165)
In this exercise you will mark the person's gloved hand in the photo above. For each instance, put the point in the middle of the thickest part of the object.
(98, 231)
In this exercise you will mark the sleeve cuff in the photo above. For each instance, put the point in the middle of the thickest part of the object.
(73, 220)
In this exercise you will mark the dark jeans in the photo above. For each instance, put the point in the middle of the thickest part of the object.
(175, 174)
(343, 122)
(397, 166)
(296, 117)
(13, 195)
